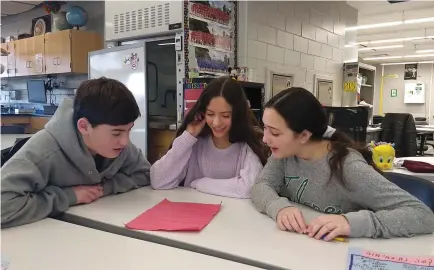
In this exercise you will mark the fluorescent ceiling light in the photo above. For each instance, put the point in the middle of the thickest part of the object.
(398, 57)
(393, 40)
(404, 63)
(425, 51)
(376, 25)
(388, 24)
(166, 44)
(396, 40)
(418, 55)
(421, 20)
(381, 47)
(382, 57)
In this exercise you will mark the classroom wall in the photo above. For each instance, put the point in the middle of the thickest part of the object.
(295, 37)
(396, 104)
(22, 23)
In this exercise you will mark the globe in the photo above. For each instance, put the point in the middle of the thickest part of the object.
(76, 16)
(59, 21)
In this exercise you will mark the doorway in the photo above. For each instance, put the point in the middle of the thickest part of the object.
(161, 77)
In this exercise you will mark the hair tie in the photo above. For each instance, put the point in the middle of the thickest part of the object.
(329, 132)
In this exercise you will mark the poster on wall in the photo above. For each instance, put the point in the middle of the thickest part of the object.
(211, 37)
(410, 72)
(214, 12)
(350, 77)
(204, 60)
(414, 93)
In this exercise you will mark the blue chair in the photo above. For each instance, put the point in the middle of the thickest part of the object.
(418, 187)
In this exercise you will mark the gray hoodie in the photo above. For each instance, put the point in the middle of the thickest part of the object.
(374, 206)
(37, 181)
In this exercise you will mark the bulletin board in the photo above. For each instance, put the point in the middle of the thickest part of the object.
(210, 37)
(414, 93)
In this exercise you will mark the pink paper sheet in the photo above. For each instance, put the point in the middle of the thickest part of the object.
(175, 216)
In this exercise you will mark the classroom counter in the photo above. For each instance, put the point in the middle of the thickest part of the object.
(238, 232)
(38, 114)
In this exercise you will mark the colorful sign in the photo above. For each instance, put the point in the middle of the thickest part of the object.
(350, 86)
(359, 259)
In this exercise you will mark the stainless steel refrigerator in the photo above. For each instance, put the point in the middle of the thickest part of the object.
(128, 65)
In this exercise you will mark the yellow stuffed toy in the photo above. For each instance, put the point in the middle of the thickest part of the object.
(383, 155)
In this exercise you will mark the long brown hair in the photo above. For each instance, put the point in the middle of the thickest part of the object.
(302, 111)
(243, 128)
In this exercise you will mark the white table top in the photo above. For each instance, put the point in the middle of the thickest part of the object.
(425, 126)
(53, 245)
(238, 230)
(373, 129)
(427, 129)
(428, 176)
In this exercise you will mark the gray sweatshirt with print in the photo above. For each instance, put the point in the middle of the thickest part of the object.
(374, 206)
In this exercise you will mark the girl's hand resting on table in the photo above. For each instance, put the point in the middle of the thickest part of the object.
(334, 225)
(291, 219)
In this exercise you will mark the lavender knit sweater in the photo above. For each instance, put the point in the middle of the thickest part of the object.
(229, 172)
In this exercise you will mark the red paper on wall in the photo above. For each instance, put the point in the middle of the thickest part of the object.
(175, 216)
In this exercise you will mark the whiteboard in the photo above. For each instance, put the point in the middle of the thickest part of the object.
(414, 92)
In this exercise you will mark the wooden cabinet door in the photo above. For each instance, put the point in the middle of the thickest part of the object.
(36, 55)
(83, 42)
(38, 123)
(22, 57)
(4, 60)
(58, 52)
(11, 59)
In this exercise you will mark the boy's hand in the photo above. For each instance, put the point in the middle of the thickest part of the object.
(87, 194)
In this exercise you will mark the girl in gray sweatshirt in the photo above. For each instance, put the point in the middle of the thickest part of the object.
(314, 165)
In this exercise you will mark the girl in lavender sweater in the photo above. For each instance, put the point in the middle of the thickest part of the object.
(217, 149)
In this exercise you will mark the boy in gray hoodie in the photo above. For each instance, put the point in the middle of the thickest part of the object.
(83, 153)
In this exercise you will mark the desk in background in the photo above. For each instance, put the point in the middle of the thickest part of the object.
(53, 245)
(31, 122)
(427, 176)
(238, 232)
(373, 134)
(8, 140)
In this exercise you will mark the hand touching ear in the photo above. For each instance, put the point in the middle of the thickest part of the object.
(195, 127)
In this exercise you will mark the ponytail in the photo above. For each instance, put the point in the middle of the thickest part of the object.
(340, 143)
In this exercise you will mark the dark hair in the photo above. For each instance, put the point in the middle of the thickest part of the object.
(244, 124)
(302, 111)
(105, 101)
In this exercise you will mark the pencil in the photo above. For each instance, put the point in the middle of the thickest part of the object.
(337, 239)
(340, 239)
